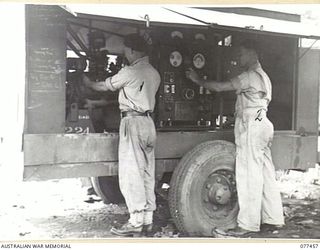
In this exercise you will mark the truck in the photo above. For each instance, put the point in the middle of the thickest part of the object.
(195, 153)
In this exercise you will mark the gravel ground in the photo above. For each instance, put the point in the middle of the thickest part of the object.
(61, 209)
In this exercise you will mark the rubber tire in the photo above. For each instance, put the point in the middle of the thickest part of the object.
(187, 182)
(107, 188)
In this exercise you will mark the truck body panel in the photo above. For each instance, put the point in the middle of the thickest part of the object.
(49, 152)
(65, 156)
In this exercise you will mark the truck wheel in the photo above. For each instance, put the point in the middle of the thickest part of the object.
(202, 193)
(107, 187)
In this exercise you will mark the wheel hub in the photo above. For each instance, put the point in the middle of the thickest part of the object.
(219, 194)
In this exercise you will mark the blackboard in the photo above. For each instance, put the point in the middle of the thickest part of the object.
(46, 68)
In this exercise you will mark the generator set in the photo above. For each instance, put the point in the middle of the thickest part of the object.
(180, 103)
(65, 136)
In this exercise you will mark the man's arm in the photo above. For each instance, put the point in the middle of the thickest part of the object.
(217, 86)
(98, 86)
(98, 103)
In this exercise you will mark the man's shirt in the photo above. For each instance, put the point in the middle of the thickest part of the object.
(138, 84)
(253, 89)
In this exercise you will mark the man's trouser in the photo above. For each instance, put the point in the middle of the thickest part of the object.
(258, 195)
(137, 163)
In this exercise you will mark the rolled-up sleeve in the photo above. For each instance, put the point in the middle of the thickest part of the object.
(240, 82)
(108, 84)
(258, 83)
(249, 81)
(120, 80)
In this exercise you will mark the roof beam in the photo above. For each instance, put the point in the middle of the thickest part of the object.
(256, 12)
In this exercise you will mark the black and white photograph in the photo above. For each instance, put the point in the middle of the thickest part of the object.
(159, 122)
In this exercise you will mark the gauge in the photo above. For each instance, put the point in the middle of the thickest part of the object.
(176, 34)
(199, 61)
(188, 94)
(200, 36)
(175, 59)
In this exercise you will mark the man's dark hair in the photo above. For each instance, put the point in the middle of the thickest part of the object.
(135, 42)
(251, 45)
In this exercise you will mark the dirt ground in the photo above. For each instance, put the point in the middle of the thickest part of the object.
(61, 209)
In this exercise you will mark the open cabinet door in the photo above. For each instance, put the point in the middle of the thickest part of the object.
(298, 148)
(307, 99)
(46, 69)
(308, 91)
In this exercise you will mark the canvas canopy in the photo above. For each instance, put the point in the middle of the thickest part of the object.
(187, 15)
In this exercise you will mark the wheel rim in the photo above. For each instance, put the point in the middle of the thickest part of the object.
(198, 202)
(219, 195)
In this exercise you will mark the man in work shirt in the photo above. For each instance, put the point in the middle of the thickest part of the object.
(137, 85)
(259, 200)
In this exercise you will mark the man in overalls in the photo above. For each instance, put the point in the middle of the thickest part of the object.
(258, 196)
(137, 85)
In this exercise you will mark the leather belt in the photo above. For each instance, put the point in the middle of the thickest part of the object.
(134, 113)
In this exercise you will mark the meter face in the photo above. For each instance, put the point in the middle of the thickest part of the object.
(180, 102)
(199, 61)
(176, 34)
(175, 59)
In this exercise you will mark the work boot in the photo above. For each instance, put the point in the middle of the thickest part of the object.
(147, 217)
(133, 227)
(127, 230)
(147, 230)
(271, 227)
(147, 223)
(238, 232)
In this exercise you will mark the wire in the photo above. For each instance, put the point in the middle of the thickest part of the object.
(308, 49)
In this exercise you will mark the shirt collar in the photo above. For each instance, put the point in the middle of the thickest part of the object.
(139, 60)
(255, 66)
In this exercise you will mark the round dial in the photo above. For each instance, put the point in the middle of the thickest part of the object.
(200, 36)
(188, 94)
(176, 34)
(199, 61)
(175, 58)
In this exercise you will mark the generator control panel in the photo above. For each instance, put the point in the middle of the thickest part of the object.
(182, 103)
